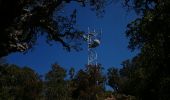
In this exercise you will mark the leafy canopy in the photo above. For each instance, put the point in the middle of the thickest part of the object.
(23, 21)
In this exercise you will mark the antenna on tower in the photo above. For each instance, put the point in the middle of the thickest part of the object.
(93, 41)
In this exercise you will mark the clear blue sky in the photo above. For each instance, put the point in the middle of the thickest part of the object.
(112, 51)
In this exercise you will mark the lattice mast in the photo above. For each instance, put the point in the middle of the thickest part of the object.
(93, 41)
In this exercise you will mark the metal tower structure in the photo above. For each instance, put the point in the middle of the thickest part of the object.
(93, 41)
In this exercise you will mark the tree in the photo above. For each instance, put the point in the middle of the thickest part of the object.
(113, 78)
(72, 73)
(23, 21)
(89, 83)
(119, 79)
(19, 83)
(140, 6)
(55, 84)
(150, 33)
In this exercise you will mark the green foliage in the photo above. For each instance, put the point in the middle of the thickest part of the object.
(24, 84)
(148, 73)
(141, 6)
(113, 78)
(146, 76)
(23, 21)
(19, 83)
(55, 85)
(72, 73)
(89, 83)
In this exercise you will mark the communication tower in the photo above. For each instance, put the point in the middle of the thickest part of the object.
(93, 41)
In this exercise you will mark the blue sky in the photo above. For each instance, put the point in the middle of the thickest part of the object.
(112, 51)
